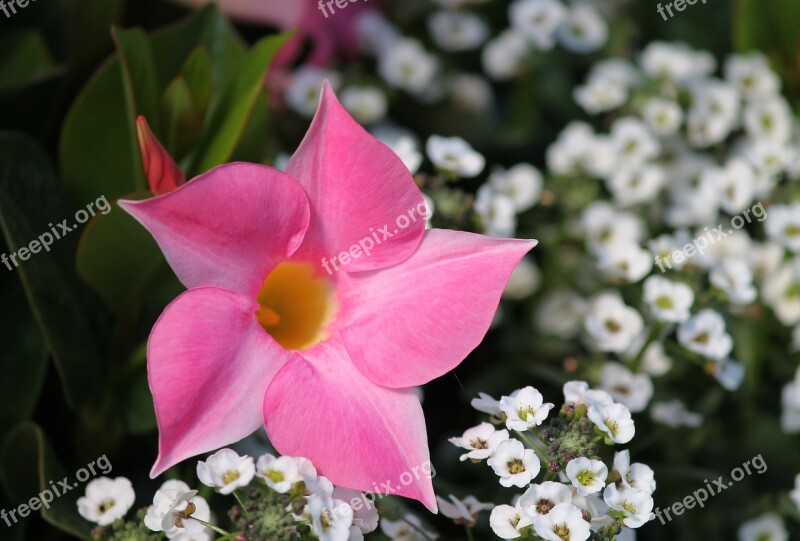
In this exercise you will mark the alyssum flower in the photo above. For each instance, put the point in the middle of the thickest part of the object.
(325, 360)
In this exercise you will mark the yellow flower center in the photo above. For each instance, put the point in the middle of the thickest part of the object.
(230, 476)
(296, 305)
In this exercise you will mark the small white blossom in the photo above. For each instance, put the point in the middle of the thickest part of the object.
(636, 506)
(367, 104)
(462, 511)
(752, 75)
(584, 29)
(174, 509)
(632, 390)
(794, 495)
(537, 20)
(455, 155)
(514, 464)
(486, 404)
(401, 530)
(503, 57)
(563, 522)
(304, 91)
(540, 499)
(674, 414)
(330, 518)
(561, 314)
(705, 334)
(524, 280)
(521, 183)
(280, 473)
(767, 527)
(614, 420)
(610, 324)
(524, 409)
(637, 476)
(783, 225)
(481, 441)
(508, 522)
(668, 301)
(586, 475)
(106, 500)
(407, 65)
(664, 117)
(457, 31)
(365, 514)
(734, 278)
(225, 471)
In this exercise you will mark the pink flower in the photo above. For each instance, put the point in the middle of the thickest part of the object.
(330, 33)
(163, 174)
(325, 359)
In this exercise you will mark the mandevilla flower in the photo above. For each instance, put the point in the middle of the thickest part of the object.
(316, 299)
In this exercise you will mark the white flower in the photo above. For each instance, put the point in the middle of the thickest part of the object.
(578, 150)
(457, 31)
(403, 143)
(578, 392)
(600, 94)
(481, 441)
(365, 514)
(587, 476)
(605, 224)
(563, 523)
(635, 505)
(455, 155)
(767, 527)
(537, 20)
(736, 183)
(106, 500)
(174, 509)
(524, 280)
(752, 75)
(714, 113)
(624, 259)
(407, 65)
(794, 495)
(280, 473)
(303, 93)
(632, 390)
(769, 119)
(374, 32)
(663, 117)
(330, 518)
(614, 419)
(674, 61)
(781, 292)
(497, 212)
(783, 225)
(635, 185)
(462, 511)
(790, 406)
(521, 183)
(225, 471)
(612, 325)
(540, 499)
(705, 334)
(503, 56)
(632, 141)
(668, 301)
(524, 409)
(401, 530)
(561, 314)
(674, 414)
(729, 374)
(734, 278)
(508, 522)
(637, 476)
(584, 29)
(514, 464)
(472, 92)
(486, 404)
(366, 104)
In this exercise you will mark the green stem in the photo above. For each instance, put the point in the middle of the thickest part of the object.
(211, 526)
(536, 448)
(636, 364)
(470, 537)
(241, 502)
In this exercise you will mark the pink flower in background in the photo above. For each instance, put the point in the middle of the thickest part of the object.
(329, 36)
(325, 359)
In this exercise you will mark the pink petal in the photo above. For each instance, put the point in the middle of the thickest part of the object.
(228, 227)
(355, 185)
(416, 321)
(209, 363)
(358, 434)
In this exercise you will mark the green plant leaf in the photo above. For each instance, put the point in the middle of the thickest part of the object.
(228, 117)
(197, 74)
(30, 199)
(120, 261)
(29, 464)
(183, 121)
(87, 31)
(25, 60)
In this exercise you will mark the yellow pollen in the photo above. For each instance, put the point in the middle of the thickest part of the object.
(296, 305)
(230, 476)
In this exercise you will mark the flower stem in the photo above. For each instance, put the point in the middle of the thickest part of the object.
(636, 364)
(241, 502)
(211, 526)
(537, 449)
(470, 537)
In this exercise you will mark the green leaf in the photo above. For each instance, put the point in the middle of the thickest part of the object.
(120, 261)
(229, 116)
(139, 414)
(197, 74)
(25, 60)
(183, 121)
(97, 146)
(87, 31)
(29, 465)
(30, 199)
(23, 346)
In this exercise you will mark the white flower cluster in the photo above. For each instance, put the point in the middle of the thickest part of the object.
(577, 485)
